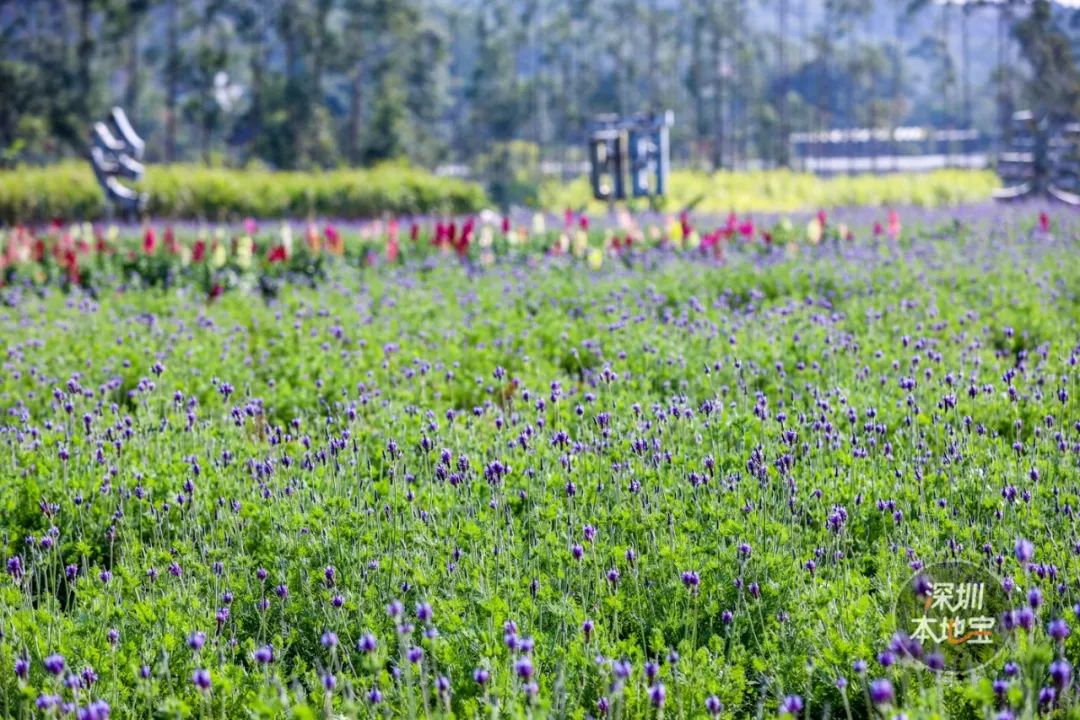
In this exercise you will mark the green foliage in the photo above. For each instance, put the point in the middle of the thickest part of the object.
(180, 445)
(68, 190)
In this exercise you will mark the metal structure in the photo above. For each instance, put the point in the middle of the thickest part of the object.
(1043, 159)
(630, 155)
(115, 154)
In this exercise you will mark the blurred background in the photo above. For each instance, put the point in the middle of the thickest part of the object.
(502, 91)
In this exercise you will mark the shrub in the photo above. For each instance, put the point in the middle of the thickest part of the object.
(69, 191)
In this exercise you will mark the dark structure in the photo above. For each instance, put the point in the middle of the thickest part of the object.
(1043, 159)
(115, 155)
(632, 152)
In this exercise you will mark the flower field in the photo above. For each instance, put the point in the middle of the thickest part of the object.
(654, 466)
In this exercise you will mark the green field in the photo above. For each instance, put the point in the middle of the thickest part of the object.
(643, 481)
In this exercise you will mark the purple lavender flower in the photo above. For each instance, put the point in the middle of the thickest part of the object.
(657, 695)
(1025, 550)
(881, 691)
(524, 668)
(1061, 673)
(196, 640)
(54, 664)
(201, 679)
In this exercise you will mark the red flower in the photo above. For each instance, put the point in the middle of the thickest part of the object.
(505, 225)
(878, 230)
(170, 241)
(1044, 222)
(216, 291)
(199, 251)
(333, 240)
(277, 254)
(71, 265)
(894, 224)
(414, 232)
(821, 218)
(149, 241)
(746, 229)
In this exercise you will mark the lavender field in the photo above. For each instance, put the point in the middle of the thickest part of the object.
(672, 467)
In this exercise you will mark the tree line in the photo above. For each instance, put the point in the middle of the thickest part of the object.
(322, 83)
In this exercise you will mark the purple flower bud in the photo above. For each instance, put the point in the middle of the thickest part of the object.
(1061, 673)
(1025, 550)
(881, 691)
(54, 664)
(201, 678)
(657, 695)
(1058, 629)
(196, 640)
(792, 705)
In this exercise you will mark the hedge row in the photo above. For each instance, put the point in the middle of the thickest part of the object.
(787, 191)
(69, 191)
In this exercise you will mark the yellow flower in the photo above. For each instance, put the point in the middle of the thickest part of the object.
(113, 233)
(596, 258)
(245, 248)
(218, 257)
(693, 240)
(538, 224)
(581, 242)
(813, 231)
(675, 231)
